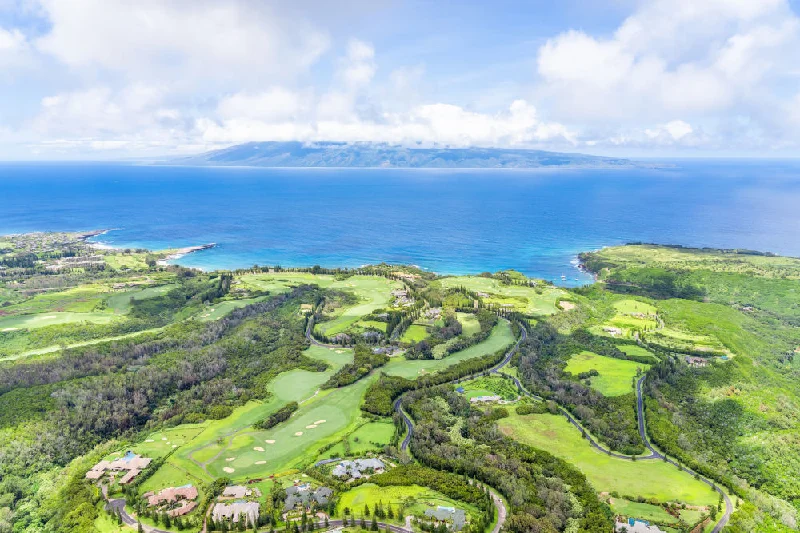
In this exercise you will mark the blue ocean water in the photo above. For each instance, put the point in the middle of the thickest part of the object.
(448, 221)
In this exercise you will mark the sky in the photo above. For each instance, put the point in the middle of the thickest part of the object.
(121, 79)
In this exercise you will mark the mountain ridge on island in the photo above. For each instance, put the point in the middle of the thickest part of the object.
(379, 155)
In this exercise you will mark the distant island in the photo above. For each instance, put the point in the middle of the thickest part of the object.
(373, 155)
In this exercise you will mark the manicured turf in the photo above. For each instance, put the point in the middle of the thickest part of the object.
(500, 338)
(413, 498)
(372, 436)
(50, 319)
(221, 309)
(205, 455)
(650, 479)
(121, 302)
(469, 324)
(490, 386)
(55, 348)
(525, 299)
(653, 513)
(616, 375)
(414, 333)
(632, 307)
(635, 349)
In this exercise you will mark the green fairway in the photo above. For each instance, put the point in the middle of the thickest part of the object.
(221, 309)
(500, 338)
(55, 348)
(469, 324)
(634, 307)
(616, 375)
(635, 349)
(413, 498)
(121, 301)
(371, 437)
(204, 456)
(294, 443)
(533, 301)
(41, 320)
(414, 333)
(649, 479)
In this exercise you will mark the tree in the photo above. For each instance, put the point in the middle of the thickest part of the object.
(366, 510)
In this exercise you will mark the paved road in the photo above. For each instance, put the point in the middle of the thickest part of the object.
(381, 525)
(127, 519)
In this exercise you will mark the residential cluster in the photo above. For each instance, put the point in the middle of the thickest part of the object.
(130, 463)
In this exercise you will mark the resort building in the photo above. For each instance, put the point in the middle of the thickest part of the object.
(356, 469)
(130, 463)
(456, 518)
(245, 511)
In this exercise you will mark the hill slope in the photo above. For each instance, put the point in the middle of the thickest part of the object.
(369, 155)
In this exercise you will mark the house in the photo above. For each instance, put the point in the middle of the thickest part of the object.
(246, 511)
(172, 494)
(482, 399)
(303, 495)
(635, 525)
(449, 515)
(236, 491)
(130, 463)
(697, 362)
(355, 469)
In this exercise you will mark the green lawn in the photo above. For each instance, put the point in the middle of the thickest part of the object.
(500, 338)
(635, 349)
(40, 320)
(632, 307)
(469, 324)
(616, 375)
(412, 498)
(414, 333)
(205, 456)
(525, 299)
(490, 386)
(221, 309)
(120, 302)
(372, 436)
(647, 478)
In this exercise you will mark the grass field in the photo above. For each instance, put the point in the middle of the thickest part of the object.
(652, 513)
(372, 436)
(120, 302)
(469, 324)
(41, 320)
(221, 309)
(649, 479)
(55, 348)
(500, 338)
(414, 333)
(616, 375)
(525, 299)
(490, 386)
(635, 349)
(635, 307)
(205, 455)
(412, 498)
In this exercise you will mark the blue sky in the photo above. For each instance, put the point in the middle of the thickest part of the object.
(104, 79)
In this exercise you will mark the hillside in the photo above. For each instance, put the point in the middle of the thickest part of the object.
(369, 155)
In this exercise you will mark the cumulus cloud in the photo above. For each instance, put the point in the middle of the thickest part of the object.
(673, 58)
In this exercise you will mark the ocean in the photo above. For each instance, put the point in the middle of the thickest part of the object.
(447, 221)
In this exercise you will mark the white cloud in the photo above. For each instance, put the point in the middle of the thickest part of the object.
(227, 42)
(672, 57)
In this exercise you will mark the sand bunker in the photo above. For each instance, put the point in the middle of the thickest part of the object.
(174, 445)
(318, 422)
(258, 449)
(48, 316)
(261, 462)
(10, 329)
(311, 426)
(298, 433)
(269, 441)
(229, 459)
(149, 440)
(566, 306)
(163, 438)
(228, 470)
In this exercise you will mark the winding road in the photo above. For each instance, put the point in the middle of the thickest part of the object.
(653, 455)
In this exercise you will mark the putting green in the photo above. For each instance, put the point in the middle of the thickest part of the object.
(501, 337)
(41, 320)
(524, 299)
(616, 375)
(646, 478)
(204, 455)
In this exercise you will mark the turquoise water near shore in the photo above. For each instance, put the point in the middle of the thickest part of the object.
(449, 221)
